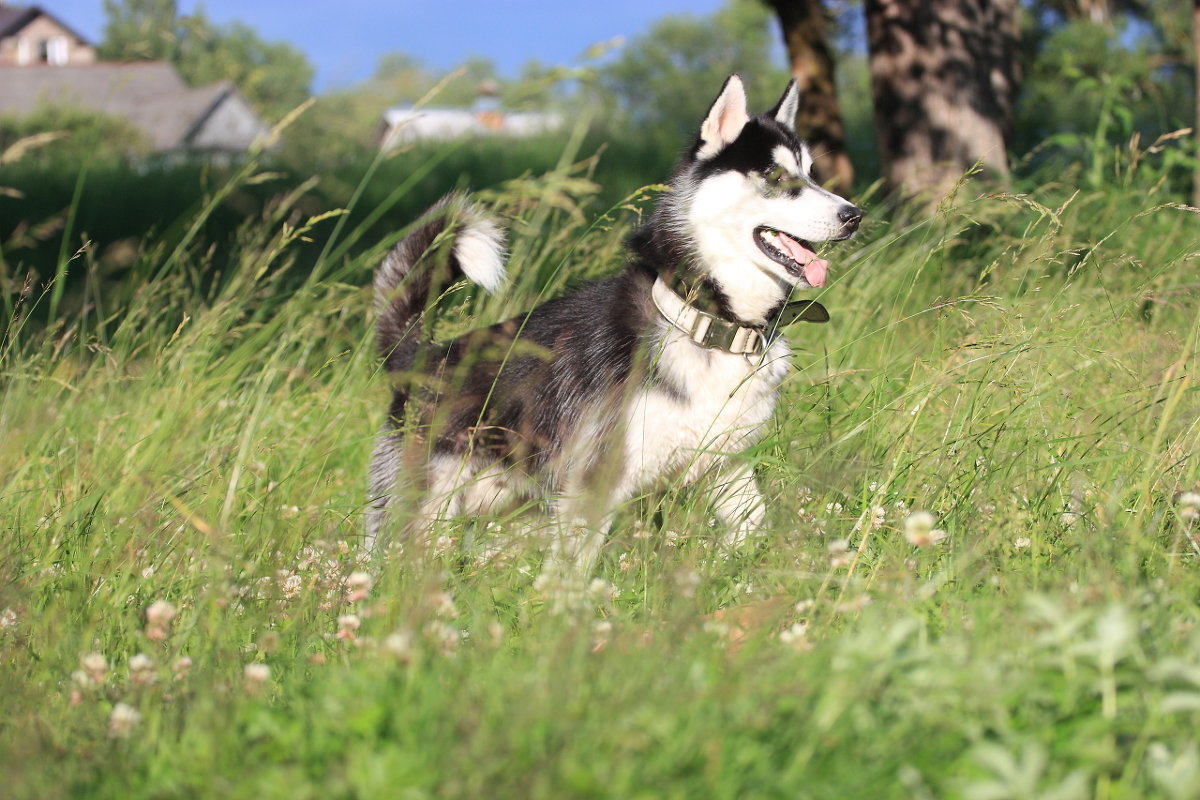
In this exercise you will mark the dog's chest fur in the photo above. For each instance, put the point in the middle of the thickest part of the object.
(706, 404)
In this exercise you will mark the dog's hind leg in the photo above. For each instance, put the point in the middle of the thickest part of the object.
(383, 478)
(739, 506)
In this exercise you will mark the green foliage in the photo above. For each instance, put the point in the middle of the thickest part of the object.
(274, 76)
(662, 77)
(78, 137)
(1088, 99)
(140, 30)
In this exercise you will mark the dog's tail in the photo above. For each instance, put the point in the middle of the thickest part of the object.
(454, 239)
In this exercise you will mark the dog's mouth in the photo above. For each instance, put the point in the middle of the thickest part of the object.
(797, 256)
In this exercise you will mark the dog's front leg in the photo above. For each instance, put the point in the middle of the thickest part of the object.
(577, 537)
(739, 506)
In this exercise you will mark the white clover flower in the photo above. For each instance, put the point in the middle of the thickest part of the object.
(1189, 506)
(140, 663)
(256, 673)
(8, 619)
(601, 634)
(358, 586)
(602, 590)
(1022, 542)
(347, 625)
(796, 636)
(122, 720)
(160, 612)
(443, 605)
(290, 586)
(876, 518)
(400, 645)
(181, 667)
(919, 530)
(141, 670)
(96, 667)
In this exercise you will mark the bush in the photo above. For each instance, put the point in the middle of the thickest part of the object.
(88, 138)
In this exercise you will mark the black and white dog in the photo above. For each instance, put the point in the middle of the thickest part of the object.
(662, 372)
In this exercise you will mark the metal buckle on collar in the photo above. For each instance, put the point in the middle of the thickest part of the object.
(735, 339)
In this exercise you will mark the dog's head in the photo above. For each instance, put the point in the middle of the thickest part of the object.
(744, 199)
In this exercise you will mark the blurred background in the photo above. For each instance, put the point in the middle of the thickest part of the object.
(119, 119)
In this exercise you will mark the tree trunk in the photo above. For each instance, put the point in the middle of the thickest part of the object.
(819, 119)
(1196, 80)
(944, 77)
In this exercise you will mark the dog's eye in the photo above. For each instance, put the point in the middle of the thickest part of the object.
(779, 178)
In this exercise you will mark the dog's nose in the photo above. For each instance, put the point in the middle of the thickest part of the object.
(850, 216)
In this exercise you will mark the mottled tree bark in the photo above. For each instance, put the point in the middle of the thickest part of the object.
(819, 119)
(1196, 80)
(944, 77)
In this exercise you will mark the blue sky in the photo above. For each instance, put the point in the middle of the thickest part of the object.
(344, 39)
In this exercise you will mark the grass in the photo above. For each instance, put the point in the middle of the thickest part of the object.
(1020, 365)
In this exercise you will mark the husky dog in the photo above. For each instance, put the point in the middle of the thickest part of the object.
(662, 372)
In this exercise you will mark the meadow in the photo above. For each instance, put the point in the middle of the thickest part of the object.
(980, 576)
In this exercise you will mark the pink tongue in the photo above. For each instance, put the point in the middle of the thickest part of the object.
(814, 268)
(814, 272)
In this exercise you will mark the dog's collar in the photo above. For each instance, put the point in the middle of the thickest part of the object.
(708, 330)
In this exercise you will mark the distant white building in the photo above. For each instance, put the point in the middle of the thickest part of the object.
(404, 124)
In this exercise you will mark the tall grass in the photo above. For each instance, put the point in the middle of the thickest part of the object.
(1020, 365)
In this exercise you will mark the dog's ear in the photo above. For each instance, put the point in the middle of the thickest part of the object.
(725, 119)
(785, 110)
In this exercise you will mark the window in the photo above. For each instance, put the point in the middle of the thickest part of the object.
(58, 51)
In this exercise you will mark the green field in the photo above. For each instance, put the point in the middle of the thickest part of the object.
(1021, 365)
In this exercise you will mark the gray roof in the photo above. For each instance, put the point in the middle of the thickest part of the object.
(150, 95)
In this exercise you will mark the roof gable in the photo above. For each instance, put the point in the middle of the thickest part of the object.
(14, 18)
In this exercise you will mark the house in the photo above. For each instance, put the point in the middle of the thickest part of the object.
(149, 95)
(30, 35)
(405, 124)
(44, 64)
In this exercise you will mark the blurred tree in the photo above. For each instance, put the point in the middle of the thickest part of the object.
(804, 25)
(274, 76)
(139, 30)
(944, 78)
(665, 79)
